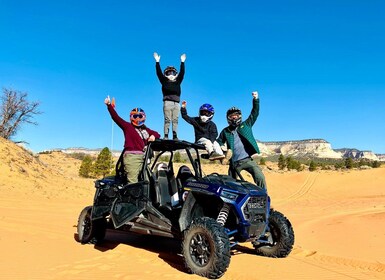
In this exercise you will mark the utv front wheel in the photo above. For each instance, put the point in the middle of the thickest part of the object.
(280, 238)
(90, 231)
(206, 248)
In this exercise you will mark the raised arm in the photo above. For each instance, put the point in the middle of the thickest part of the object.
(182, 68)
(114, 115)
(159, 72)
(184, 114)
(254, 111)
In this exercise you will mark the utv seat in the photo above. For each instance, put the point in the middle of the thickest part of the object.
(184, 174)
(167, 195)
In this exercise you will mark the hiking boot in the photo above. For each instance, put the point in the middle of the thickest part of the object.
(174, 136)
(215, 156)
(228, 155)
(165, 137)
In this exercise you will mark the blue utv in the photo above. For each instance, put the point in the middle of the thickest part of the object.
(209, 214)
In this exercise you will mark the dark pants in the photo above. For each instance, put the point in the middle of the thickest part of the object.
(249, 165)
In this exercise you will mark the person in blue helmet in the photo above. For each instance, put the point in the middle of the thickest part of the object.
(205, 129)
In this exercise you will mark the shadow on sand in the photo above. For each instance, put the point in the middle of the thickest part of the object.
(168, 249)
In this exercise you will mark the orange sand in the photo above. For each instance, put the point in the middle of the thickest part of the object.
(338, 219)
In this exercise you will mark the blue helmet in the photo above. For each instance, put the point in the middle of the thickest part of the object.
(206, 112)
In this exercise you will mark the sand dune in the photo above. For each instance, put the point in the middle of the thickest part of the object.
(338, 219)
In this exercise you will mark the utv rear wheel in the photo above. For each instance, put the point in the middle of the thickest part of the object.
(280, 237)
(90, 231)
(206, 248)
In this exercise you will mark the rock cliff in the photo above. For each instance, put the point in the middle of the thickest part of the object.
(319, 148)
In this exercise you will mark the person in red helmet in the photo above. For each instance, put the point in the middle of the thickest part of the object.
(171, 89)
(136, 137)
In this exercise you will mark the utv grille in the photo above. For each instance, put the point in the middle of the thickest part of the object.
(256, 202)
(254, 211)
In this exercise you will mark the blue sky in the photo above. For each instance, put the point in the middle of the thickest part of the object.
(319, 66)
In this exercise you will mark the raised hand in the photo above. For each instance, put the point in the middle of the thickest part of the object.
(183, 57)
(107, 100)
(157, 57)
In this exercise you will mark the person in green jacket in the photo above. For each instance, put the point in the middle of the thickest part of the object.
(238, 137)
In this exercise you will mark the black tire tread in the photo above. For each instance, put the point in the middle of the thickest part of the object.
(97, 231)
(221, 248)
(284, 245)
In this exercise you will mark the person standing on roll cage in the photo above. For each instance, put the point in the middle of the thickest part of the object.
(171, 88)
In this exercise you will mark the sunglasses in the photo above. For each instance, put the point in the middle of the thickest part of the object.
(168, 73)
(234, 116)
(205, 113)
(138, 116)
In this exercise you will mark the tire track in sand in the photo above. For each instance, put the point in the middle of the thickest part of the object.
(302, 191)
(343, 268)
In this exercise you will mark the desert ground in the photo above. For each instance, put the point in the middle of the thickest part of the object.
(338, 219)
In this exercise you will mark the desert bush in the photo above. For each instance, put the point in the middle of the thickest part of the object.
(312, 166)
(262, 161)
(79, 156)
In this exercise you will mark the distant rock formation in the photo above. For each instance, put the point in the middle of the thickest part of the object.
(318, 148)
(91, 152)
(311, 148)
(381, 157)
(356, 154)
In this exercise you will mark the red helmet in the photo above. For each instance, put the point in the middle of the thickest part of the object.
(137, 116)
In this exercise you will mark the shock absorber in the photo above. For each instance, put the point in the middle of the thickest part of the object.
(223, 214)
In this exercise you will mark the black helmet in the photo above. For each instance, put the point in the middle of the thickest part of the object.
(170, 70)
(231, 112)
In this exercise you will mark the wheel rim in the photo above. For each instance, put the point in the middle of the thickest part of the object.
(200, 249)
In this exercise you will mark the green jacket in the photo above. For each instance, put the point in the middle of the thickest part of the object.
(245, 132)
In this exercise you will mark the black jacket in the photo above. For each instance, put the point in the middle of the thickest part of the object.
(207, 130)
(171, 89)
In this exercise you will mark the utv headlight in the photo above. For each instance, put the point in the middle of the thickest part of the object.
(99, 184)
(229, 195)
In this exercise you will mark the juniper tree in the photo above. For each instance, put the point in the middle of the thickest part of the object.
(104, 163)
(281, 162)
(349, 163)
(312, 166)
(85, 169)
